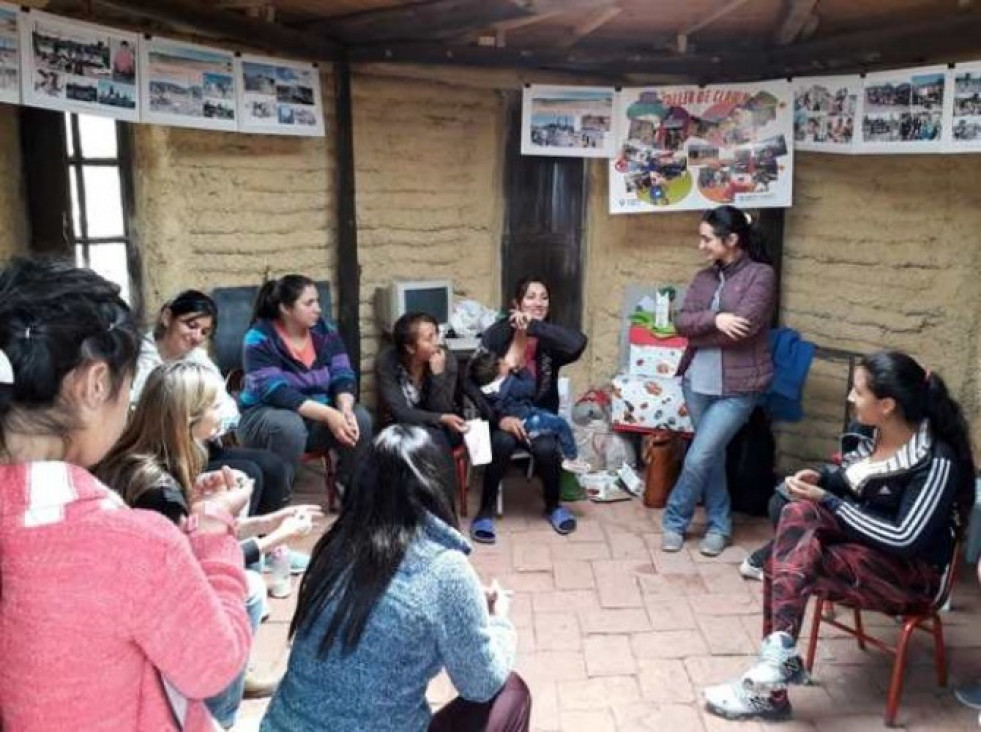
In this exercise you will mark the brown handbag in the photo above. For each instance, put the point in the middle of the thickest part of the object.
(661, 454)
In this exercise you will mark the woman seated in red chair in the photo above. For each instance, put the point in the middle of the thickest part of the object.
(417, 379)
(876, 532)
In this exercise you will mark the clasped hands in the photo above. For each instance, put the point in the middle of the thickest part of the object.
(803, 486)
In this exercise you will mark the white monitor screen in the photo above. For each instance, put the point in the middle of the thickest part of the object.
(431, 300)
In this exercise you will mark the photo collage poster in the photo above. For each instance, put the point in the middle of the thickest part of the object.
(825, 113)
(964, 130)
(187, 85)
(903, 111)
(78, 67)
(9, 56)
(279, 97)
(568, 121)
(684, 148)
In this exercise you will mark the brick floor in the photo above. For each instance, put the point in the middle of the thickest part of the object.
(616, 635)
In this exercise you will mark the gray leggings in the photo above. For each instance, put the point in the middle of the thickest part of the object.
(289, 435)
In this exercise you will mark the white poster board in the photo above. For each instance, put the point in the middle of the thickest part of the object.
(567, 121)
(963, 131)
(78, 67)
(279, 97)
(186, 85)
(903, 111)
(9, 54)
(683, 148)
(826, 112)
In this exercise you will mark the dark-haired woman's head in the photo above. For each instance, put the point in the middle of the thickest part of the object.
(184, 323)
(726, 233)
(292, 299)
(887, 385)
(72, 345)
(531, 296)
(404, 478)
(416, 337)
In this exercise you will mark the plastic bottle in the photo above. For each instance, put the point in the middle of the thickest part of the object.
(663, 465)
(279, 565)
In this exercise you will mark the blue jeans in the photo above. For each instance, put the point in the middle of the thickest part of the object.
(717, 419)
(224, 706)
(543, 422)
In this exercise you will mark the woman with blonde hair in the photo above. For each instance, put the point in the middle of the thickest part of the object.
(158, 464)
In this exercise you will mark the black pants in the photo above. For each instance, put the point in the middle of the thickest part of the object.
(773, 509)
(272, 476)
(548, 467)
(508, 711)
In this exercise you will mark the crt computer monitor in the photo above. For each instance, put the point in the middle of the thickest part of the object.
(434, 297)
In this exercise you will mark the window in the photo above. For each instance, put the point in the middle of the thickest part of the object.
(97, 157)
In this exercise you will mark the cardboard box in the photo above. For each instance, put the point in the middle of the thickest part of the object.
(650, 356)
(643, 403)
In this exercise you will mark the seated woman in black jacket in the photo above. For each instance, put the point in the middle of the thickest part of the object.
(417, 380)
(526, 340)
(876, 532)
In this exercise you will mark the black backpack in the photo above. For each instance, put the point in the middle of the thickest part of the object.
(750, 463)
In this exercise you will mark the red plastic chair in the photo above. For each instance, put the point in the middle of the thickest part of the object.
(330, 475)
(926, 619)
(462, 466)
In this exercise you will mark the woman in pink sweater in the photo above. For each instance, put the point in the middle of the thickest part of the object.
(110, 619)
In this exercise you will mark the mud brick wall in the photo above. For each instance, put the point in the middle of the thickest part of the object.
(13, 225)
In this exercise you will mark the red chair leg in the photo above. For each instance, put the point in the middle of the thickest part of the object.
(461, 479)
(815, 629)
(898, 672)
(939, 650)
(859, 629)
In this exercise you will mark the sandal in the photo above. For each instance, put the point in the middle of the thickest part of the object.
(482, 531)
(562, 521)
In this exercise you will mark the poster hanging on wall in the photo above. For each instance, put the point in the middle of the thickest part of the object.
(903, 111)
(567, 121)
(9, 57)
(963, 131)
(78, 67)
(279, 97)
(685, 148)
(187, 85)
(825, 112)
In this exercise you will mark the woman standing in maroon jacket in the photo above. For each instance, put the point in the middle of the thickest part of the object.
(727, 366)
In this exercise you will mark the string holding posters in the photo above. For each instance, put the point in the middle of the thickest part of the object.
(279, 97)
(686, 148)
(903, 111)
(78, 67)
(187, 85)
(567, 121)
(9, 56)
(825, 112)
(964, 129)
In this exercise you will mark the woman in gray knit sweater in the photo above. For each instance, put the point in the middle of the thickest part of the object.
(389, 600)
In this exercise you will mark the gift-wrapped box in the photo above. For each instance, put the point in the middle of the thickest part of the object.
(652, 356)
(650, 402)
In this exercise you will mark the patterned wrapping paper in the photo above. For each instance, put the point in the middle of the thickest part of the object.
(643, 403)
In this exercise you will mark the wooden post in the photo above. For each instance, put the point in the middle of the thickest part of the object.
(348, 268)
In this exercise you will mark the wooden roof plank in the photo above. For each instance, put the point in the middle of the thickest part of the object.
(590, 23)
(796, 16)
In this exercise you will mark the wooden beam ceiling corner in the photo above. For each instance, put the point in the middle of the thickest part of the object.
(797, 15)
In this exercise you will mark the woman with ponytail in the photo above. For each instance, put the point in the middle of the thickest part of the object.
(299, 391)
(725, 317)
(876, 532)
(109, 618)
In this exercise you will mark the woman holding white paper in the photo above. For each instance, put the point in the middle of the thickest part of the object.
(417, 380)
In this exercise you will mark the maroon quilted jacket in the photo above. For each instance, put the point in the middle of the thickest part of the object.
(750, 291)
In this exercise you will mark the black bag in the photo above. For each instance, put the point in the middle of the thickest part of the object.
(750, 463)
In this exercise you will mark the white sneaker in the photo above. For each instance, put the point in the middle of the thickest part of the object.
(750, 571)
(735, 701)
(576, 466)
(780, 665)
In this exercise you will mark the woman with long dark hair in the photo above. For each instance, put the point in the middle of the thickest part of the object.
(389, 600)
(90, 637)
(725, 317)
(526, 340)
(299, 391)
(877, 532)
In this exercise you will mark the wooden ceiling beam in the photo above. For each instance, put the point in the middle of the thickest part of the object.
(250, 32)
(590, 23)
(797, 14)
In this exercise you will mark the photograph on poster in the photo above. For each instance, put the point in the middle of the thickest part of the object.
(78, 67)
(9, 55)
(824, 113)
(965, 125)
(188, 85)
(685, 148)
(902, 111)
(567, 121)
(280, 97)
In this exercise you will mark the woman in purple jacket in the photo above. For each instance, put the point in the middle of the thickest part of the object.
(725, 316)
